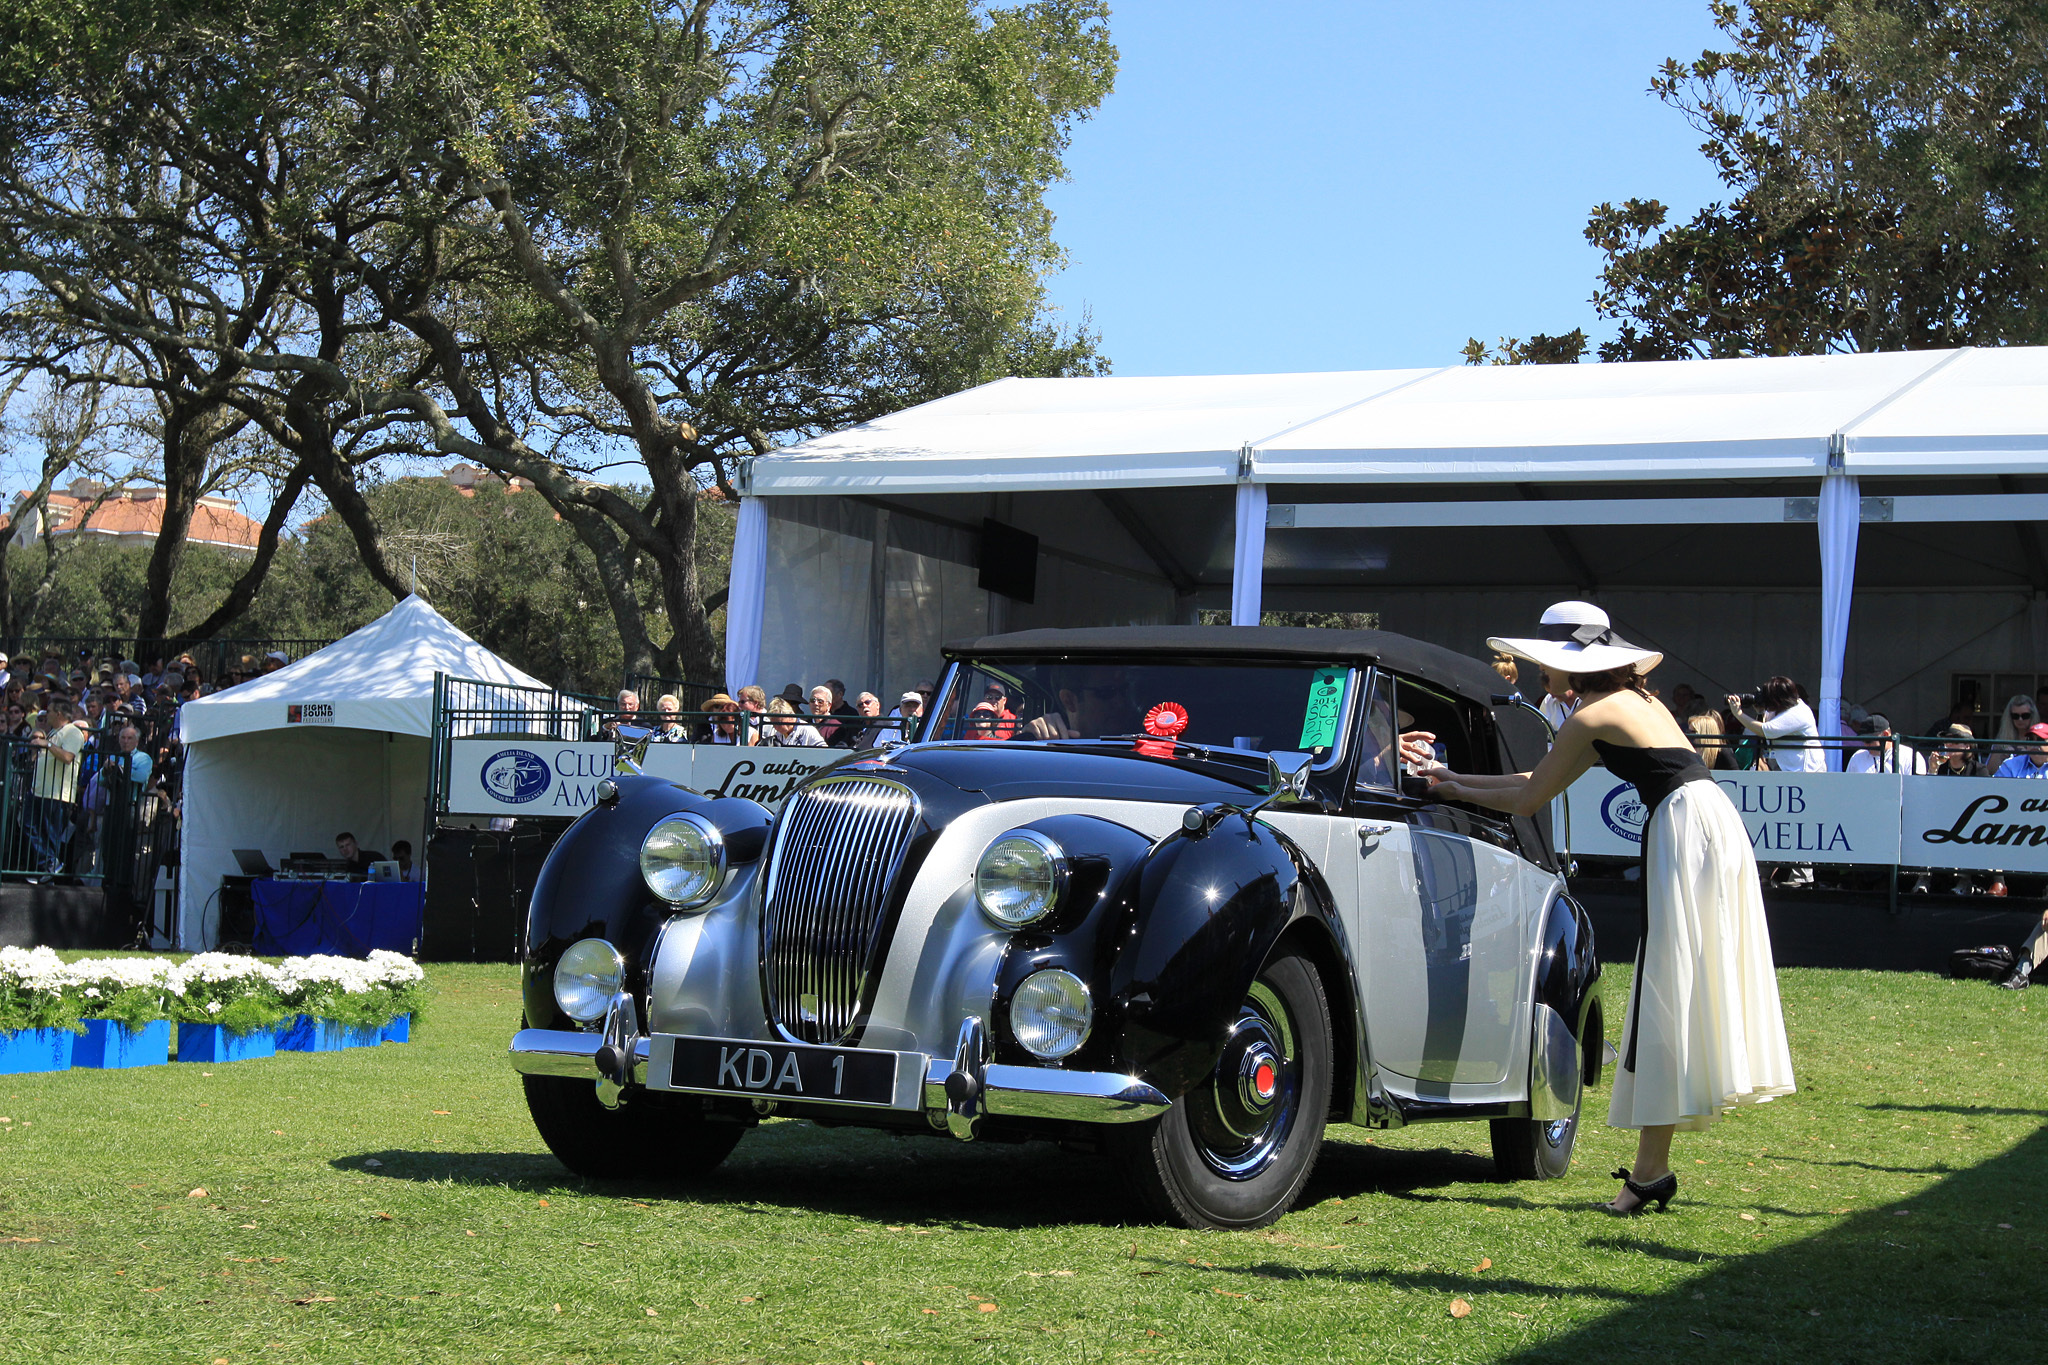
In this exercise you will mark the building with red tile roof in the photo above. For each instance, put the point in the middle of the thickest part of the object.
(132, 516)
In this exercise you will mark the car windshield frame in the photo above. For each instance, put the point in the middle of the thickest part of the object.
(957, 670)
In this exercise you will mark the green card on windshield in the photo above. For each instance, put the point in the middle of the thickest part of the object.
(1325, 709)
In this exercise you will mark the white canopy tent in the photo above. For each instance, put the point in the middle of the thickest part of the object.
(336, 741)
(1430, 495)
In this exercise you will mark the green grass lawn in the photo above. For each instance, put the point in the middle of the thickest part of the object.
(395, 1205)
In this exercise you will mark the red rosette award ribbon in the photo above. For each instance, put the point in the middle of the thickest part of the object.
(1166, 720)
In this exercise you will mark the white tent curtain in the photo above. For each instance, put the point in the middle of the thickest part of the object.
(1248, 567)
(746, 596)
(1841, 506)
(282, 791)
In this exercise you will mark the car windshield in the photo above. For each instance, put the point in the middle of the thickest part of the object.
(1267, 707)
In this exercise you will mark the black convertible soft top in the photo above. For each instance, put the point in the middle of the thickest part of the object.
(1467, 677)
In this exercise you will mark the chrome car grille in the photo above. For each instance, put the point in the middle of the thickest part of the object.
(837, 848)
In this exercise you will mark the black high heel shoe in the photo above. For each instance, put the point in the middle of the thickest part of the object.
(1659, 1192)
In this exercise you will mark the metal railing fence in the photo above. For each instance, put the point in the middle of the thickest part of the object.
(649, 688)
(467, 707)
(87, 823)
(1909, 754)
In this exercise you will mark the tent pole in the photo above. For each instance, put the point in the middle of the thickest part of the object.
(1249, 564)
(1840, 518)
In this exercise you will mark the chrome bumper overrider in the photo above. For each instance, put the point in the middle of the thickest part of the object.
(558, 1052)
(1006, 1091)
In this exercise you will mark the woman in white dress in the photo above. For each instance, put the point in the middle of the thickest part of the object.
(1703, 1031)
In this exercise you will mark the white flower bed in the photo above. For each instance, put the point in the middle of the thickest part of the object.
(39, 989)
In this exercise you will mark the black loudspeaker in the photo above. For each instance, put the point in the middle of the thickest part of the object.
(1009, 561)
(447, 927)
(478, 884)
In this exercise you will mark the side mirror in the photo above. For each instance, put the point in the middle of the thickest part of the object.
(1287, 771)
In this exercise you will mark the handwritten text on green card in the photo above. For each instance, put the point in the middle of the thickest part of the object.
(1325, 709)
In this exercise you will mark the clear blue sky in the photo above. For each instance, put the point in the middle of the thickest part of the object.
(1321, 185)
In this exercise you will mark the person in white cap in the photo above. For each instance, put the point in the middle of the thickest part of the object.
(1704, 1030)
(275, 660)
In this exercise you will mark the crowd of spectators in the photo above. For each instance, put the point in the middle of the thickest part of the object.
(820, 717)
(94, 754)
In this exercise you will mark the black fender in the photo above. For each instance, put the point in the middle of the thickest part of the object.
(1128, 918)
(1568, 976)
(1208, 909)
(590, 885)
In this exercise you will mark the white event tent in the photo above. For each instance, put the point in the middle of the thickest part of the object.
(336, 741)
(1716, 507)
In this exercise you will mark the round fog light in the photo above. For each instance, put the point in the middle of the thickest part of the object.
(588, 976)
(1051, 1014)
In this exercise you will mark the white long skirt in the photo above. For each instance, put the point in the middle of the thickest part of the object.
(1704, 1027)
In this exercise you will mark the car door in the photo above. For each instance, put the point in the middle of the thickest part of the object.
(1435, 911)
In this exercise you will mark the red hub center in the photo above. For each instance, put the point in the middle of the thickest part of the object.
(1264, 1082)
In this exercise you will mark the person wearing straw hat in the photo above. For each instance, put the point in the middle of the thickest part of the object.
(1704, 1031)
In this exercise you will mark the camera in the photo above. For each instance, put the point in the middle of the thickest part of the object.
(1748, 700)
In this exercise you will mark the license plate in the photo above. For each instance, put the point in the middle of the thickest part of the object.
(783, 1071)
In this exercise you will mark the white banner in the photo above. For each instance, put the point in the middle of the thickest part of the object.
(489, 775)
(1998, 823)
(1791, 817)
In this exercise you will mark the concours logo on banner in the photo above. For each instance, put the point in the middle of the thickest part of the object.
(516, 776)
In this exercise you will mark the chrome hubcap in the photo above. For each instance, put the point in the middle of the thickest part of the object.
(1242, 1115)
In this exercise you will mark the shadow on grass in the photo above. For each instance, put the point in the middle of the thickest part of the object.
(1945, 1283)
(889, 1178)
(1964, 1109)
(1438, 1281)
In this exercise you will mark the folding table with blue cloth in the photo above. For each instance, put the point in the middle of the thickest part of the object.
(295, 919)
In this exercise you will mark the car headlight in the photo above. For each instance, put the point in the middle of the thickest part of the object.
(1051, 1014)
(588, 976)
(682, 860)
(1019, 878)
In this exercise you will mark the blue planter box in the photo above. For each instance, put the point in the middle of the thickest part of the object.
(36, 1049)
(109, 1043)
(304, 1033)
(212, 1043)
(399, 1030)
(363, 1036)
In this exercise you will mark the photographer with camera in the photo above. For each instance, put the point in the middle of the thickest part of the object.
(1787, 724)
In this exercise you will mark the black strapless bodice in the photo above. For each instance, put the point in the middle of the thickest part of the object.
(1654, 773)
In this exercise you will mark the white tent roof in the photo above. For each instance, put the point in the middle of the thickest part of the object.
(378, 678)
(1917, 412)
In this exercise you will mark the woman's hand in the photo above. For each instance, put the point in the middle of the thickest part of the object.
(1443, 783)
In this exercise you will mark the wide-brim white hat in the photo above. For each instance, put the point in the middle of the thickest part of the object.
(1589, 648)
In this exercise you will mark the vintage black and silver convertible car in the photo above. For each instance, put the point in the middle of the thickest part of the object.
(1163, 893)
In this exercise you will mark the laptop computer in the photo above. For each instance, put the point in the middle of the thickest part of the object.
(253, 863)
(385, 871)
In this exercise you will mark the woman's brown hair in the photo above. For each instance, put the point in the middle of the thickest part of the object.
(1613, 680)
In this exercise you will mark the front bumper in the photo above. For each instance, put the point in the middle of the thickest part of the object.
(1005, 1091)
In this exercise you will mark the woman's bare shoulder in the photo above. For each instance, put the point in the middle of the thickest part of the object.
(1631, 718)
